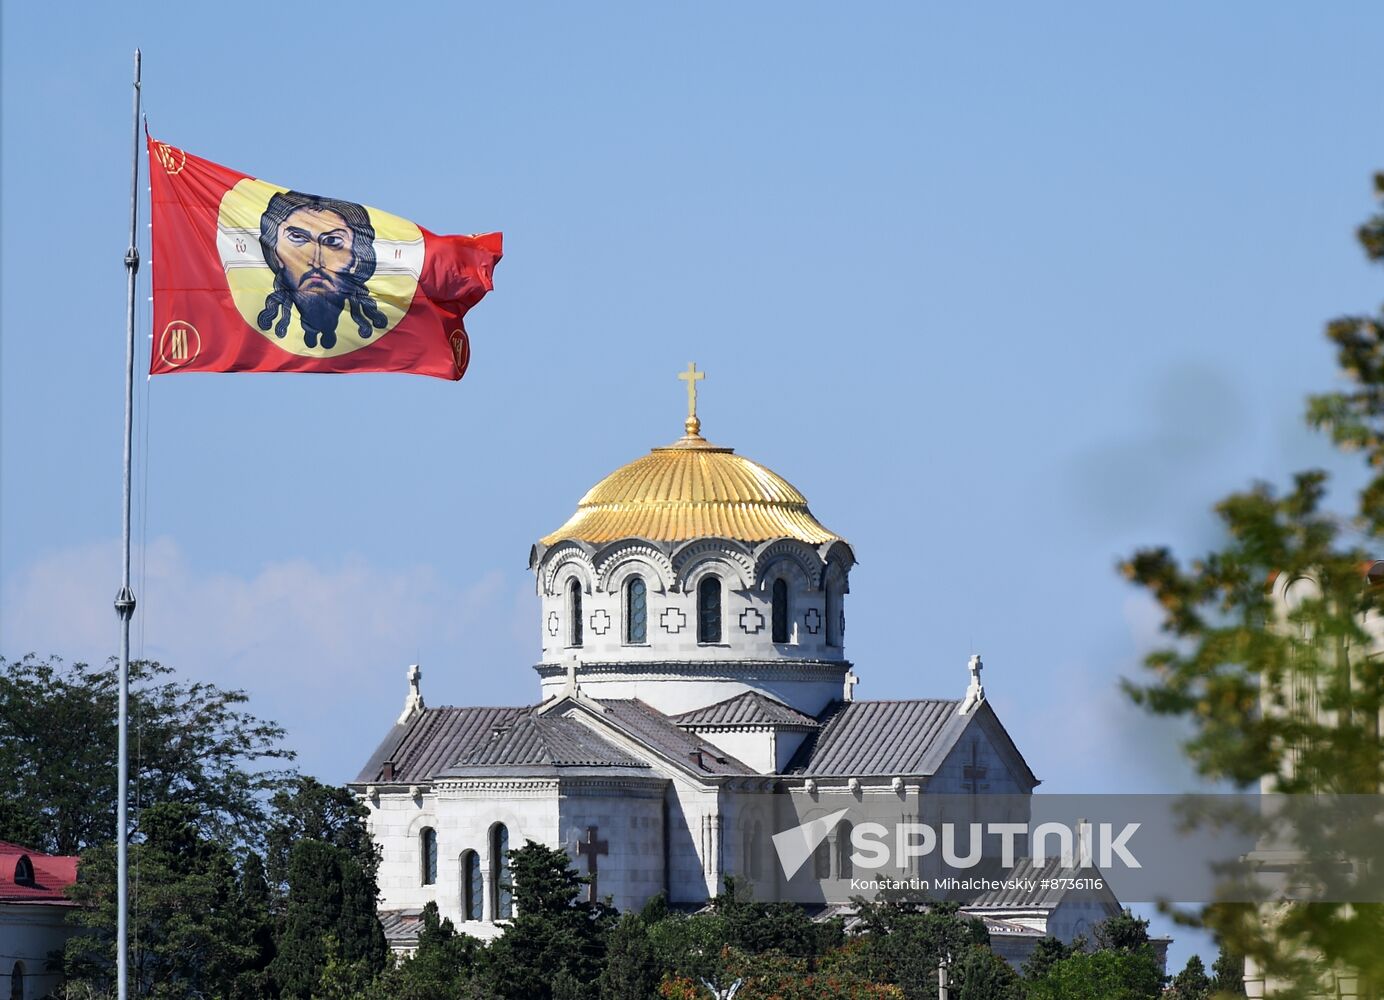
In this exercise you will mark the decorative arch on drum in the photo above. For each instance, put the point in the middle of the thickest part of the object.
(838, 557)
(728, 559)
(789, 559)
(633, 556)
(564, 561)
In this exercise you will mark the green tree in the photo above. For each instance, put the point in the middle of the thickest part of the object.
(902, 943)
(631, 970)
(1192, 983)
(1228, 973)
(983, 975)
(556, 939)
(1100, 975)
(197, 928)
(1045, 954)
(330, 896)
(1122, 932)
(190, 743)
(441, 967)
(1285, 692)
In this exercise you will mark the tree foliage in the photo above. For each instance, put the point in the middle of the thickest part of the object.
(190, 743)
(1284, 692)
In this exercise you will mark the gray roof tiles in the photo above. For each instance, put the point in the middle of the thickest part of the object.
(652, 727)
(550, 740)
(434, 740)
(748, 709)
(880, 737)
(1016, 897)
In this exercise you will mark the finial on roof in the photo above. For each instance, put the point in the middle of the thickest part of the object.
(848, 685)
(692, 377)
(975, 691)
(413, 704)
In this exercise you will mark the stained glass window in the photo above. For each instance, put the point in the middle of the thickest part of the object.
(574, 612)
(780, 610)
(471, 885)
(502, 891)
(429, 855)
(709, 610)
(636, 610)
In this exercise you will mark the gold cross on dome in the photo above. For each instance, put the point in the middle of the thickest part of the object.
(692, 377)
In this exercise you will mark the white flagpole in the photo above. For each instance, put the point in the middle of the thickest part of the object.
(125, 600)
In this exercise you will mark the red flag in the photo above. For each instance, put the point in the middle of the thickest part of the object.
(251, 277)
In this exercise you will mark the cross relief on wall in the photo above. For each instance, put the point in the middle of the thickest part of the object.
(751, 621)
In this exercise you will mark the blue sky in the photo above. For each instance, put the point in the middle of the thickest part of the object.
(1006, 293)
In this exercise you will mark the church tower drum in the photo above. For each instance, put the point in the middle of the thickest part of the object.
(690, 576)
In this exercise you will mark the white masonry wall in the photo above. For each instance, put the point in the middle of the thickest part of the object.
(463, 814)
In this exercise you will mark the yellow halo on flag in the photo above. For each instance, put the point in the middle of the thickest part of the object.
(355, 269)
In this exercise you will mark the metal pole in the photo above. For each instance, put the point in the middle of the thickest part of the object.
(125, 600)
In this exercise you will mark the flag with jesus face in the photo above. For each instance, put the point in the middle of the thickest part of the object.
(250, 276)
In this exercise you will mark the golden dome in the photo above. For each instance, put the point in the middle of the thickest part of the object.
(692, 489)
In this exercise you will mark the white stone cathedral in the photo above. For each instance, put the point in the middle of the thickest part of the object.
(693, 681)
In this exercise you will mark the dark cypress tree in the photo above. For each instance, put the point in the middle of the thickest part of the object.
(329, 895)
(1045, 954)
(632, 971)
(556, 939)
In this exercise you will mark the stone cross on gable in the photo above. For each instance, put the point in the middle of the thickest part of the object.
(591, 848)
(413, 704)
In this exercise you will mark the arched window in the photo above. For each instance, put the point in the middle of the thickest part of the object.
(756, 851)
(574, 613)
(709, 610)
(501, 892)
(24, 871)
(844, 866)
(636, 610)
(821, 860)
(780, 610)
(428, 847)
(470, 885)
(17, 982)
(834, 615)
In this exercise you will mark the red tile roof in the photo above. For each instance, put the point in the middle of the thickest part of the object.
(52, 873)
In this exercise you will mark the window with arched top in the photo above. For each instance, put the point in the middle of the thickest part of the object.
(821, 860)
(834, 615)
(780, 610)
(24, 871)
(501, 892)
(471, 887)
(756, 851)
(17, 981)
(709, 610)
(636, 610)
(428, 854)
(845, 868)
(574, 613)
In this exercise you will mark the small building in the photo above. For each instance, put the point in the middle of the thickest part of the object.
(33, 919)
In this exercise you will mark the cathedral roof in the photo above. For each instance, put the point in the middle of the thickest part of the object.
(692, 489)
(433, 739)
(860, 738)
(881, 737)
(550, 740)
(659, 732)
(748, 709)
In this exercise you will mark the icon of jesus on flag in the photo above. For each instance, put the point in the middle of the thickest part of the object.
(250, 276)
